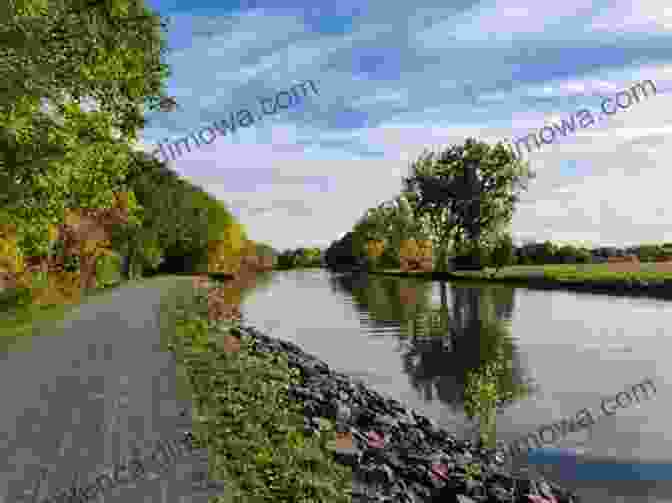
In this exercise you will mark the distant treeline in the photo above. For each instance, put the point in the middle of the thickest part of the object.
(550, 253)
(300, 257)
(454, 212)
(340, 254)
(455, 203)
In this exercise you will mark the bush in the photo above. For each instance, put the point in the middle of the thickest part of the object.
(14, 297)
(286, 260)
(61, 287)
(108, 270)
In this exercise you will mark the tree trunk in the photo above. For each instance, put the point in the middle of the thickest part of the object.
(441, 259)
(125, 265)
(87, 270)
(444, 295)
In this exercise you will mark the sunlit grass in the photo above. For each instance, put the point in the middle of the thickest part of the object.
(242, 411)
(580, 272)
(20, 320)
(654, 272)
(16, 322)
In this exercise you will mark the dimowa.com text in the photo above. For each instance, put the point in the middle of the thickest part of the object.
(585, 119)
(583, 419)
(243, 117)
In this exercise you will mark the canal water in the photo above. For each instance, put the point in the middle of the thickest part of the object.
(540, 356)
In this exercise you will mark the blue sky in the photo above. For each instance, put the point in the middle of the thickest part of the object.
(397, 77)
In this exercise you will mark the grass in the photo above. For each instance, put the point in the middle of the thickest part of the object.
(19, 321)
(579, 272)
(654, 271)
(244, 416)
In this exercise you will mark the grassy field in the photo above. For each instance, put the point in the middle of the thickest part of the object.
(594, 273)
(581, 272)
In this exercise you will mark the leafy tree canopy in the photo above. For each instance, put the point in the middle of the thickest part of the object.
(467, 191)
(74, 77)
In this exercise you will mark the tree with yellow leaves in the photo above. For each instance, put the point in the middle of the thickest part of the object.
(225, 254)
(415, 255)
(11, 258)
(374, 249)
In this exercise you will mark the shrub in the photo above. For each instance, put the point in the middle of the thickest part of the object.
(108, 270)
(62, 287)
(14, 297)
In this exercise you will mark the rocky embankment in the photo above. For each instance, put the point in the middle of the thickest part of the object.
(396, 454)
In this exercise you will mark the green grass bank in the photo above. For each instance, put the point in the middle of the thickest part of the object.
(243, 415)
(647, 279)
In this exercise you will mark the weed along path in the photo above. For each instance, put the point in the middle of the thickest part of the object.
(94, 411)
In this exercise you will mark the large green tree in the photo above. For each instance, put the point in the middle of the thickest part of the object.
(429, 207)
(468, 192)
(179, 219)
(75, 77)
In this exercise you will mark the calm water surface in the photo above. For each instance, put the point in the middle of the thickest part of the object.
(560, 352)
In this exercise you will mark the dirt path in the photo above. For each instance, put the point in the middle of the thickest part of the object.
(84, 399)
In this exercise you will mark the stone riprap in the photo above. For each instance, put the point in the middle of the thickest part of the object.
(396, 454)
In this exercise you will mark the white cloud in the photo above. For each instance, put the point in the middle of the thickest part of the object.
(418, 98)
(635, 16)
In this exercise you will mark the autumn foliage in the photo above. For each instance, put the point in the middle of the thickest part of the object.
(374, 249)
(70, 267)
(223, 303)
(11, 259)
(415, 255)
(236, 255)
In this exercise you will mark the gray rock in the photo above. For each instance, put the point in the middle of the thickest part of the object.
(378, 474)
(387, 421)
(400, 472)
(348, 456)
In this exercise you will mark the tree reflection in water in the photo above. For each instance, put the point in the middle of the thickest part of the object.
(463, 356)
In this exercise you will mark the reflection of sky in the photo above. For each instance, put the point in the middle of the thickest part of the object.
(573, 466)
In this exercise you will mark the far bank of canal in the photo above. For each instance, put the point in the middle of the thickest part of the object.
(592, 279)
(570, 349)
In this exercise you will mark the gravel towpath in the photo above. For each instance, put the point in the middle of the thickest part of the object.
(96, 392)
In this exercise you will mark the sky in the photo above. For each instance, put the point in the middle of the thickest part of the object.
(396, 78)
